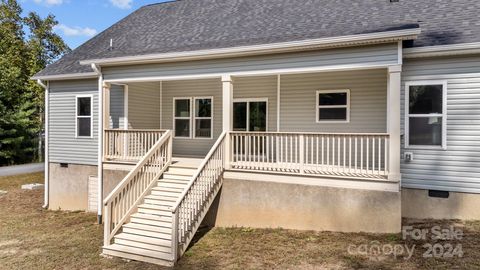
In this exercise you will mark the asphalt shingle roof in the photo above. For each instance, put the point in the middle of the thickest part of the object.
(208, 24)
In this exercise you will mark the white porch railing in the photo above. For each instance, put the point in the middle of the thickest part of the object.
(195, 201)
(124, 199)
(129, 144)
(342, 154)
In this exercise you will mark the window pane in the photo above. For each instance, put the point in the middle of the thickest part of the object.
(182, 128)
(203, 107)
(84, 127)
(425, 131)
(240, 116)
(258, 116)
(332, 114)
(84, 106)
(425, 99)
(182, 108)
(203, 128)
(332, 99)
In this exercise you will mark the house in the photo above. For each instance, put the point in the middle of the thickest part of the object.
(317, 115)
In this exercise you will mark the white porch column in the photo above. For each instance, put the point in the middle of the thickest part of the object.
(227, 101)
(393, 120)
(227, 94)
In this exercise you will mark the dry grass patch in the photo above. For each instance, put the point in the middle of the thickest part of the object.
(33, 238)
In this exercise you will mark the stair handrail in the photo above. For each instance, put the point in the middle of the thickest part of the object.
(219, 151)
(142, 177)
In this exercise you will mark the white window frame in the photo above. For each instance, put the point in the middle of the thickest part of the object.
(443, 115)
(192, 118)
(189, 118)
(318, 107)
(248, 100)
(83, 116)
(200, 118)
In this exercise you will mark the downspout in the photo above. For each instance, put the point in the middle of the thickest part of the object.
(46, 161)
(97, 70)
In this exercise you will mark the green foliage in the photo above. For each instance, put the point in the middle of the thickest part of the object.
(21, 99)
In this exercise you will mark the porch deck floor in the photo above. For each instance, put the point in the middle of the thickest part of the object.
(293, 169)
(190, 162)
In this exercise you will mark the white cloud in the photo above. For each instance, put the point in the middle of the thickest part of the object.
(123, 4)
(76, 31)
(49, 2)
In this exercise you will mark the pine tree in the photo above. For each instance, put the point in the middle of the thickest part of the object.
(21, 99)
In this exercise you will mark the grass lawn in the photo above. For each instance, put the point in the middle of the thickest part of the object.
(33, 238)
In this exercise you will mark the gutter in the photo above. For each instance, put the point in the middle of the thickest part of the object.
(282, 47)
(46, 199)
(71, 76)
(98, 73)
(442, 50)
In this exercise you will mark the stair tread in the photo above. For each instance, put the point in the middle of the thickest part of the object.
(160, 198)
(150, 222)
(144, 239)
(175, 181)
(172, 185)
(159, 202)
(177, 177)
(152, 217)
(147, 227)
(133, 243)
(139, 251)
(155, 206)
(145, 233)
(168, 189)
(184, 166)
(171, 195)
(179, 173)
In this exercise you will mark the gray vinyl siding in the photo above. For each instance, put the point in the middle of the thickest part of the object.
(117, 107)
(192, 88)
(368, 95)
(457, 167)
(144, 105)
(376, 54)
(64, 147)
(259, 87)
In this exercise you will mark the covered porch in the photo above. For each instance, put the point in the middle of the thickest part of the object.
(332, 123)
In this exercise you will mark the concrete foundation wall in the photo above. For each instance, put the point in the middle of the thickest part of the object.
(69, 186)
(260, 204)
(417, 204)
(111, 178)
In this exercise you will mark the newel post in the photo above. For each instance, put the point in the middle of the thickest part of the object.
(227, 102)
(175, 236)
(393, 121)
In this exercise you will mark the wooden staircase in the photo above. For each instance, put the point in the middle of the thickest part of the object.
(148, 235)
(154, 212)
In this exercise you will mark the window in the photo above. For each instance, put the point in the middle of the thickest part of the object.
(250, 114)
(200, 122)
(425, 120)
(333, 106)
(83, 124)
(203, 118)
(182, 117)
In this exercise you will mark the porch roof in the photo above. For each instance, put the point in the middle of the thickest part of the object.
(192, 25)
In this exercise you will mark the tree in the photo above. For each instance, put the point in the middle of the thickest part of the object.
(21, 99)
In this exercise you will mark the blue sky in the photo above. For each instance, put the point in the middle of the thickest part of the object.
(80, 20)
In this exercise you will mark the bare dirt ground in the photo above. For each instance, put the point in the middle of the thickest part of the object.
(33, 238)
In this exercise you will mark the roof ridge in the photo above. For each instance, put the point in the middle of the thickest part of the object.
(160, 3)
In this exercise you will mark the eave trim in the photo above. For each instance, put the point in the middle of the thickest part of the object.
(332, 42)
(442, 50)
(72, 76)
